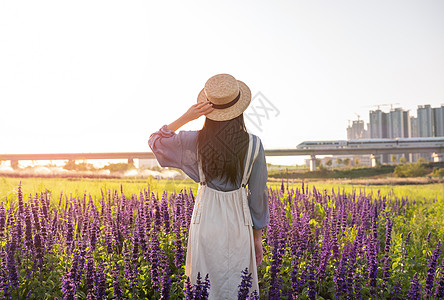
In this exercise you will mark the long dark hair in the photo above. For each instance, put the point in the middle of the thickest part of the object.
(222, 146)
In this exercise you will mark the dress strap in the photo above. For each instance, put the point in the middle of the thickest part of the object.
(248, 166)
(201, 173)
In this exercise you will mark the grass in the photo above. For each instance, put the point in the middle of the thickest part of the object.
(78, 186)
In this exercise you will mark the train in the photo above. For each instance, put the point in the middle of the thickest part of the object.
(364, 143)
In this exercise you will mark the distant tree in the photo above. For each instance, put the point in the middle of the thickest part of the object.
(437, 172)
(422, 160)
(410, 170)
(119, 167)
(81, 166)
(329, 162)
(339, 161)
(321, 168)
(347, 161)
(357, 161)
(403, 160)
(393, 158)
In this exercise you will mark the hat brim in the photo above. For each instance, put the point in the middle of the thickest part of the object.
(233, 111)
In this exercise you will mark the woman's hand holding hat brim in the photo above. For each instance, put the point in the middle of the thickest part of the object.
(199, 109)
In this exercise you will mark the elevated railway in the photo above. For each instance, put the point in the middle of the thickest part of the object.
(372, 147)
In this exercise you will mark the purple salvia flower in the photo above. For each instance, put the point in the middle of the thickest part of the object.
(439, 292)
(397, 291)
(75, 270)
(340, 275)
(282, 187)
(334, 237)
(28, 229)
(407, 239)
(201, 288)
(100, 282)
(35, 214)
(274, 291)
(164, 213)
(38, 246)
(253, 296)
(93, 232)
(44, 207)
(90, 272)
(82, 259)
(188, 289)
(68, 287)
(131, 267)
(432, 269)
(311, 282)
(2, 220)
(116, 283)
(166, 278)
(19, 231)
(156, 213)
(386, 270)
(20, 200)
(69, 234)
(154, 261)
(140, 225)
(245, 285)
(189, 206)
(372, 265)
(388, 235)
(4, 284)
(295, 288)
(11, 264)
(406, 243)
(178, 249)
(415, 289)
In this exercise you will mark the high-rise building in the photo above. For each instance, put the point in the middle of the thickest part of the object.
(398, 123)
(356, 130)
(378, 124)
(425, 121)
(413, 127)
(438, 120)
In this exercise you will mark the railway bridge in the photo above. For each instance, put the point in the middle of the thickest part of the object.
(373, 147)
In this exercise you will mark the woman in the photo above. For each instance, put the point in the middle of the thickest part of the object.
(225, 234)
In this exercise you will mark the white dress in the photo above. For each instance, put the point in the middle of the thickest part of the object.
(220, 241)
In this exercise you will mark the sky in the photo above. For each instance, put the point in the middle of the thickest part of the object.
(101, 76)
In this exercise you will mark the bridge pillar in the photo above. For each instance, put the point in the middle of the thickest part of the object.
(374, 160)
(438, 157)
(14, 164)
(312, 162)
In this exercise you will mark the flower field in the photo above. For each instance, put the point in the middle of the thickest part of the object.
(320, 244)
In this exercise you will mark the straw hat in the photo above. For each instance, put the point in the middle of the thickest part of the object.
(230, 97)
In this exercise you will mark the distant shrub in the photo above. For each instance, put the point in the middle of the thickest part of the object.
(437, 172)
(78, 166)
(410, 170)
(119, 167)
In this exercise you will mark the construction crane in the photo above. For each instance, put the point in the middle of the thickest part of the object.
(389, 104)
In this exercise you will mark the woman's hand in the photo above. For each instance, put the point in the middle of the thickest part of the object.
(194, 112)
(199, 109)
(257, 234)
(259, 252)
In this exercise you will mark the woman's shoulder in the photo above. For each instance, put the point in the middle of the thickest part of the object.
(257, 139)
(188, 137)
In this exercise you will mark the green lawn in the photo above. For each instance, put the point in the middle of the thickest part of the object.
(77, 187)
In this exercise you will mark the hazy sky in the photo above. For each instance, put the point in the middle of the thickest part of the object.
(101, 76)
